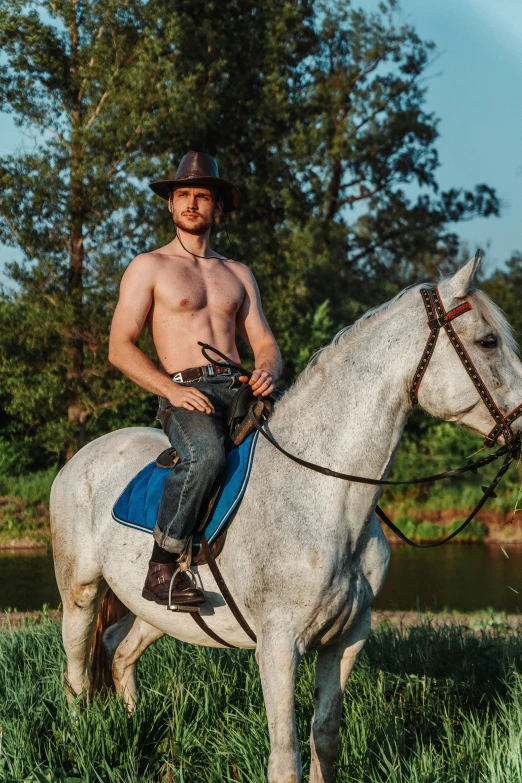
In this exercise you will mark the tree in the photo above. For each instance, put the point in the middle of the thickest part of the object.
(364, 150)
(107, 87)
(504, 286)
(316, 110)
(86, 76)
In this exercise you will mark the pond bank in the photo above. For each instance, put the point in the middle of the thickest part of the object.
(490, 527)
(493, 622)
(20, 544)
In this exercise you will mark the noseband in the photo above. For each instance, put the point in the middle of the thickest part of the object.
(439, 319)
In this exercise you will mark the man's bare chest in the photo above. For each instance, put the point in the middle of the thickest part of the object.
(183, 290)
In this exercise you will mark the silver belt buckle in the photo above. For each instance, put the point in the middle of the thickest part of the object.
(177, 378)
(210, 370)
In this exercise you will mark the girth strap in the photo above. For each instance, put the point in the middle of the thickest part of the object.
(204, 627)
(225, 592)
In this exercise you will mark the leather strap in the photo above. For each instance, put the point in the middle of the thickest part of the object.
(204, 627)
(489, 492)
(439, 319)
(435, 324)
(205, 371)
(506, 451)
(472, 466)
(225, 592)
(492, 437)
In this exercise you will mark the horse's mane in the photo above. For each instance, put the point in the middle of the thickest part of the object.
(491, 313)
(494, 316)
(321, 355)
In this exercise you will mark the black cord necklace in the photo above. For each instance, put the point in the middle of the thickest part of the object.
(190, 251)
(219, 258)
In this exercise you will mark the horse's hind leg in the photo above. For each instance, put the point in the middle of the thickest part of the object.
(334, 665)
(82, 588)
(81, 601)
(125, 642)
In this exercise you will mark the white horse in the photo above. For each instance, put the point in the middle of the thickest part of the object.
(305, 555)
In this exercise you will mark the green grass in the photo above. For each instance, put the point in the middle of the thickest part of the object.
(442, 448)
(30, 488)
(429, 531)
(24, 506)
(423, 705)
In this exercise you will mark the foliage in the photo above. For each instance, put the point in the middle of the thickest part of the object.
(24, 507)
(316, 109)
(431, 446)
(423, 704)
(31, 488)
(504, 286)
(428, 531)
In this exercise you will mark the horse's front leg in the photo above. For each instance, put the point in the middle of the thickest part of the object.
(278, 658)
(334, 665)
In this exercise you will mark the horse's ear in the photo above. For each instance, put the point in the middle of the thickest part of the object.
(461, 282)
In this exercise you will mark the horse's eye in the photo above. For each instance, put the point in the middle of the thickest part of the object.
(489, 342)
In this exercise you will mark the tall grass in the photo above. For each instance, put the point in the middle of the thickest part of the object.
(30, 488)
(24, 506)
(446, 447)
(423, 705)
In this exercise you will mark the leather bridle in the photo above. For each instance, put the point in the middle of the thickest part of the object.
(439, 319)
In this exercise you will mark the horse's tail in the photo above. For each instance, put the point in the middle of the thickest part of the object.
(111, 610)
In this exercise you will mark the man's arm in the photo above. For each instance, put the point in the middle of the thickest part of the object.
(136, 295)
(254, 329)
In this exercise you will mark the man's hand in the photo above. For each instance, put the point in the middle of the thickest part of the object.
(190, 398)
(261, 381)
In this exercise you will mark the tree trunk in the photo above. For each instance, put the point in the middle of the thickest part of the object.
(77, 415)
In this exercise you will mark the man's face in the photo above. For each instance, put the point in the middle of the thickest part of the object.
(194, 208)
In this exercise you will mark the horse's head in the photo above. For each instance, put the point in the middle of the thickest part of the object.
(447, 390)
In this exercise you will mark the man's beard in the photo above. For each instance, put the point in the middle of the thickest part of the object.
(197, 227)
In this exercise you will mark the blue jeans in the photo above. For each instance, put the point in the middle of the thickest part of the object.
(199, 439)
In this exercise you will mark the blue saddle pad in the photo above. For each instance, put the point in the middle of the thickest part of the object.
(138, 504)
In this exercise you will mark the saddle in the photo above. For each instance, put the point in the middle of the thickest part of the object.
(241, 412)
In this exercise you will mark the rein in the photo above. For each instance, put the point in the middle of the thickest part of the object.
(438, 319)
(489, 492)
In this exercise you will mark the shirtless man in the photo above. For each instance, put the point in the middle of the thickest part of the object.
(186, 292)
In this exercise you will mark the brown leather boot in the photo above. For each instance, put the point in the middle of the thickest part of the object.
(184, 596)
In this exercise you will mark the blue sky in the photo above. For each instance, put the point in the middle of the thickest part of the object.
(474, 87)
(475, 90)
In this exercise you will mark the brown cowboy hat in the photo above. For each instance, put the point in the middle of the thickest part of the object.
(198, 168)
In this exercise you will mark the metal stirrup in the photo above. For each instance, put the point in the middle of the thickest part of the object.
(173, 607)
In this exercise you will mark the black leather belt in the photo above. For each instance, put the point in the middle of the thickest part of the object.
(206, 371)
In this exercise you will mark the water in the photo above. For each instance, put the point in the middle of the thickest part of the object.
(457, 577)
(27, 580)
